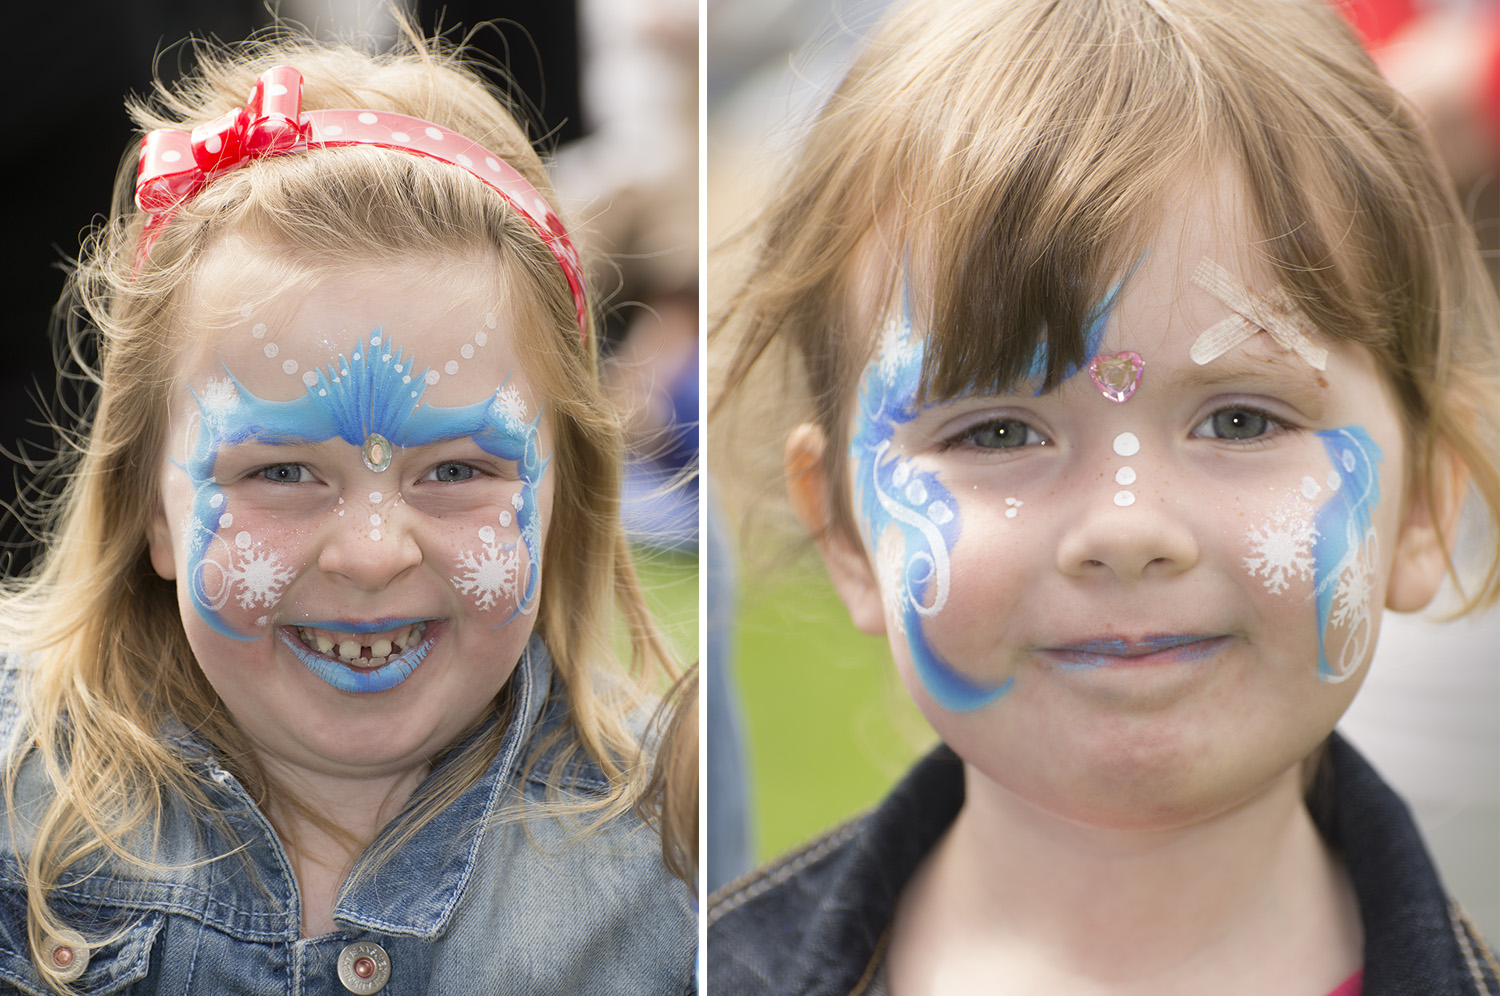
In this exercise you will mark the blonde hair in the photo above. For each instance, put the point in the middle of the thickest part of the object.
(671, 797)
(1021, 149)
(109, 664)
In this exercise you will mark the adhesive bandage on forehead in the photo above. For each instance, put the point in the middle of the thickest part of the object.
(1274, 314)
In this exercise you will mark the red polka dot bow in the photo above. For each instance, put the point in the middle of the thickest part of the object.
(175, 165)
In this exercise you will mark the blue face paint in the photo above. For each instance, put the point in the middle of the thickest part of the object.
(1343, 527)
(891, 491)
(377, 391)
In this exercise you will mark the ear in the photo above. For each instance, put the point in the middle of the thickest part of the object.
(848, 566)
(1426, 536)
(159, 542)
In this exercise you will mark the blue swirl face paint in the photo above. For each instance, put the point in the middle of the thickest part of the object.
(893, 492)
(375, 391)
(1344, 540)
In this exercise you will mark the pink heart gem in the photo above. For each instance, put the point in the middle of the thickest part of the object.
(1117, 376)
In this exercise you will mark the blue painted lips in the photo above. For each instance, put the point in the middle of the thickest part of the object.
(346, 677)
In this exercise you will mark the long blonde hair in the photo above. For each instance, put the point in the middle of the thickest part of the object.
(1023, 149)
(109, 666)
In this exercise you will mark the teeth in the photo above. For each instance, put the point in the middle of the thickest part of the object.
(351, 650)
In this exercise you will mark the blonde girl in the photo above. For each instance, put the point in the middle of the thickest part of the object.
(314, 687)
(1140, 356)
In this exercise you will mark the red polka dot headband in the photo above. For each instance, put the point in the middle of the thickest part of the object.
(176, 165)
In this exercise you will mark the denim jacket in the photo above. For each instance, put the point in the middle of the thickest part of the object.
(470, 905)
(815, 921)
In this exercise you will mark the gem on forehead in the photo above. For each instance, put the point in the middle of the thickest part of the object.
(376, 452)
(1117, 376)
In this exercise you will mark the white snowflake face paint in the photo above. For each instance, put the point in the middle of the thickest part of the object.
(345, 611)
(1179, 592)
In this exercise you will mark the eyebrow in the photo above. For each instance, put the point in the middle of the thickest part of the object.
(1284, 372)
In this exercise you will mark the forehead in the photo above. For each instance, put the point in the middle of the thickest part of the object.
(1141, 281)
(454, 325)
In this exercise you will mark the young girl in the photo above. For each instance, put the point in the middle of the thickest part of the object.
(315, 686)
(1141, 356)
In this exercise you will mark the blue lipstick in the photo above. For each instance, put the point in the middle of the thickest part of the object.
(346, 677)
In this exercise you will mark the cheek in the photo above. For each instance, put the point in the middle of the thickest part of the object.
(240, 563)
(494, 558)
(1315, 548)
(916, 529)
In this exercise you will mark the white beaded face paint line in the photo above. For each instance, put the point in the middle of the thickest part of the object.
(1274, 314)
(1126, 445)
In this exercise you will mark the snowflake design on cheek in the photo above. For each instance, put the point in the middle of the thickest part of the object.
(490, 575)
(260, 577)
(1351, 608)
(1344, 551)
(1281, 551)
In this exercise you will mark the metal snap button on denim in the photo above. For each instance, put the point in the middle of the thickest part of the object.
(67, 954)
(364, 967)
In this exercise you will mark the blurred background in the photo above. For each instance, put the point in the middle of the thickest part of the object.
(819, 727)
(610, 92)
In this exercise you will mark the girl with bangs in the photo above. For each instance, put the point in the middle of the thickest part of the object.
(315, 688)
(1140, 357)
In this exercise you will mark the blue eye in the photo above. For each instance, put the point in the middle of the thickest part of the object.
(451, 473)
(285, 473)
(998, 434)
(1239, 424)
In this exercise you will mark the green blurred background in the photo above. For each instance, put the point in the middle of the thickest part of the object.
(830, 727)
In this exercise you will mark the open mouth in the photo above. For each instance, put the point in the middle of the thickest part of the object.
(362, 657)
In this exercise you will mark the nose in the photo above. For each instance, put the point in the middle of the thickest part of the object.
(369, 544)
(1149, 537)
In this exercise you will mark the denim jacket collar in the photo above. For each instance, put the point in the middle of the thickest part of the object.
(417, 890)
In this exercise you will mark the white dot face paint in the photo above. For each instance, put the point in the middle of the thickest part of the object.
(1126, 444)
